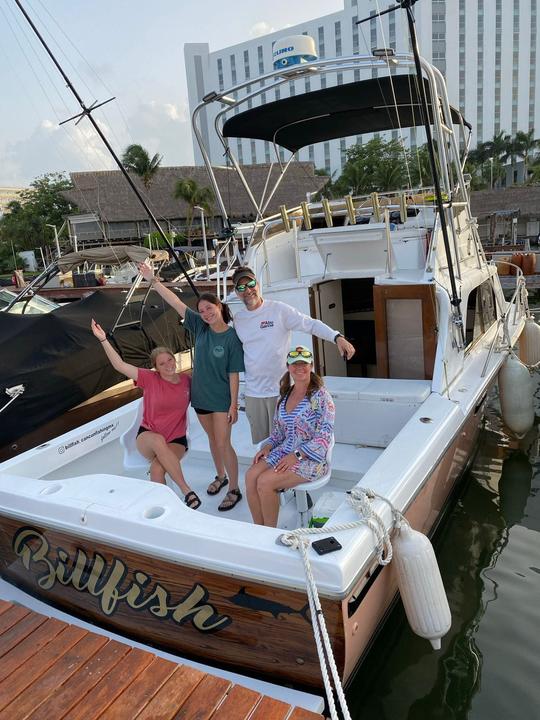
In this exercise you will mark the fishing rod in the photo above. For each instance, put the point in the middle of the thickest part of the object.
(87, 112)
(406, 5)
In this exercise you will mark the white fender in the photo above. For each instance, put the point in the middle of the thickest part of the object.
(529, 342)
(516, 396)
(420, 585)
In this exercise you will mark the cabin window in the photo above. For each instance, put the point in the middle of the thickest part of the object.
(481, 312)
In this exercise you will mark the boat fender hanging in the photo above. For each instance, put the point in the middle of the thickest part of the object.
(420, 585)
(529, 342)
(516, 396)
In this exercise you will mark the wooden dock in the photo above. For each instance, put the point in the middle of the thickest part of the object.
(56, 671)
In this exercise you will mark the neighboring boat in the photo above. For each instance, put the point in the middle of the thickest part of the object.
(405, 277)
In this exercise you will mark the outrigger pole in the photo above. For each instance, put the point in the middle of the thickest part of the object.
(406, 5)
(87, 111)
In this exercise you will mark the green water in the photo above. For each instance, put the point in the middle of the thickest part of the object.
(489, 554)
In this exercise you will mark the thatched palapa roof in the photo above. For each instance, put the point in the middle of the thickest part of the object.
(108, 194)
(526, 199)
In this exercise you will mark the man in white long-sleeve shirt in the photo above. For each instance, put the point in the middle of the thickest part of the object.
(264, 328)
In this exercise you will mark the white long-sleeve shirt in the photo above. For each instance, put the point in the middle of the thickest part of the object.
(265, 334)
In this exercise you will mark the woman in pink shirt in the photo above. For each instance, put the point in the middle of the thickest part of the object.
(161, 437)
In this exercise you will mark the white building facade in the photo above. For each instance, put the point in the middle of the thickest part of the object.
(487, 50)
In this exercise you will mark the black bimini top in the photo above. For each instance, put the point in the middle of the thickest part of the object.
(367, 106)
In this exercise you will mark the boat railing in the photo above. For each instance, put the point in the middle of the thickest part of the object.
(516, 307)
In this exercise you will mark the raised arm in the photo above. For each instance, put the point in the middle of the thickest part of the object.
(168, 295)
(116, 361)
(295, 320)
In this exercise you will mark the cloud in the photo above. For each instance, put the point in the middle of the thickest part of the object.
(164, 128)
(160, 127)
(51, 148)
(261, 28)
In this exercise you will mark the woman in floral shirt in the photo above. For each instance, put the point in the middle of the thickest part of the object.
(302, 433)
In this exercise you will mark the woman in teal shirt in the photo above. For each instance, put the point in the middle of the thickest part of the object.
(218, 360)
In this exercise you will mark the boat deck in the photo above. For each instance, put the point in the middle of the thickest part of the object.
(52, 669)
(349, 463)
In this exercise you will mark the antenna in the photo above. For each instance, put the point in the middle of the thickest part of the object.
(406, 5)
(87, 111)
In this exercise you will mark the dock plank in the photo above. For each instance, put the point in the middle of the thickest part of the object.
(238, 704)
(111, 686)
(205, 699)
(137, 692)
(301, 714)
(74, 690)
(31, 645)
(12, 616)
(18, 632)
(174, 691)
(270, 709)
(28, 673)
(50, 670)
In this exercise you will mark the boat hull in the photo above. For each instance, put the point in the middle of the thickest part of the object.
(253, 627)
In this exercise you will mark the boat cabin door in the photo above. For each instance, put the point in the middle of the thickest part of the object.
(329, 308)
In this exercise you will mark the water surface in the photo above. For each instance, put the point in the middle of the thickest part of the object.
(489, 554)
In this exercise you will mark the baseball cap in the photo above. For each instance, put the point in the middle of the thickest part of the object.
(299, 353)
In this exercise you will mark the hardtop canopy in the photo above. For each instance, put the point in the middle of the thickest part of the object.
(367, 106)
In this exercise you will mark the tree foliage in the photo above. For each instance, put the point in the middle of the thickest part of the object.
(137, 160)
(375, 166)
(24, 225)
(193, 195)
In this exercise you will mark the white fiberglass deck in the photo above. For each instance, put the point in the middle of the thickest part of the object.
(349, 464)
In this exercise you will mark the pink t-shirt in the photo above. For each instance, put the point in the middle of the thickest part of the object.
(165, 403)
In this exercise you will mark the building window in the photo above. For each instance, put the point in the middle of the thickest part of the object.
(498, 47)
(480, 72)
(321, 42)
(253, 153)
(355, 45)
(438, 35)
(260, 59)
(233, 69)
(246, 64)
(327, 166)
(462, 55)
(266, 152)
(532, 65)
(515, 67)
(337, 31)
(220, 74)
(240, 151)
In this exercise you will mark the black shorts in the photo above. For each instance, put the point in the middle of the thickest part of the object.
(200, 411)
(177, 441)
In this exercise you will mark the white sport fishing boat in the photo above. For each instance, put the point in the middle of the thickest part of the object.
(405, 277)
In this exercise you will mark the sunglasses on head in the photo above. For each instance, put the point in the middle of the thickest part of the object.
(300, 353)
(241, 287)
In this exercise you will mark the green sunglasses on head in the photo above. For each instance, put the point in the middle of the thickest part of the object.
(241, 287)
(300, 353)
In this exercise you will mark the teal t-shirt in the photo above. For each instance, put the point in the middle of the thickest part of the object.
(216, 355)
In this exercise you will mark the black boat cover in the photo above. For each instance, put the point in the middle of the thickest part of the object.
(60, 362)
(367, 106)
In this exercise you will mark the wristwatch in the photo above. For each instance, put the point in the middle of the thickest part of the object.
(298, 455)
(338, 335)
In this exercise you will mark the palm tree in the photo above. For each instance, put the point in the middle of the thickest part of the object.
(137, 160)
(193, 194)
(524, 143)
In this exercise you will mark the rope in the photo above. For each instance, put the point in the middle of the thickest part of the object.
(361, 500)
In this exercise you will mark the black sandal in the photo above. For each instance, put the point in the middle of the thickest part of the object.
(192, 500)
(217, 484)
(229, 502)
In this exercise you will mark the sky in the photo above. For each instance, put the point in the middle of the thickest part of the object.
(129, 49)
